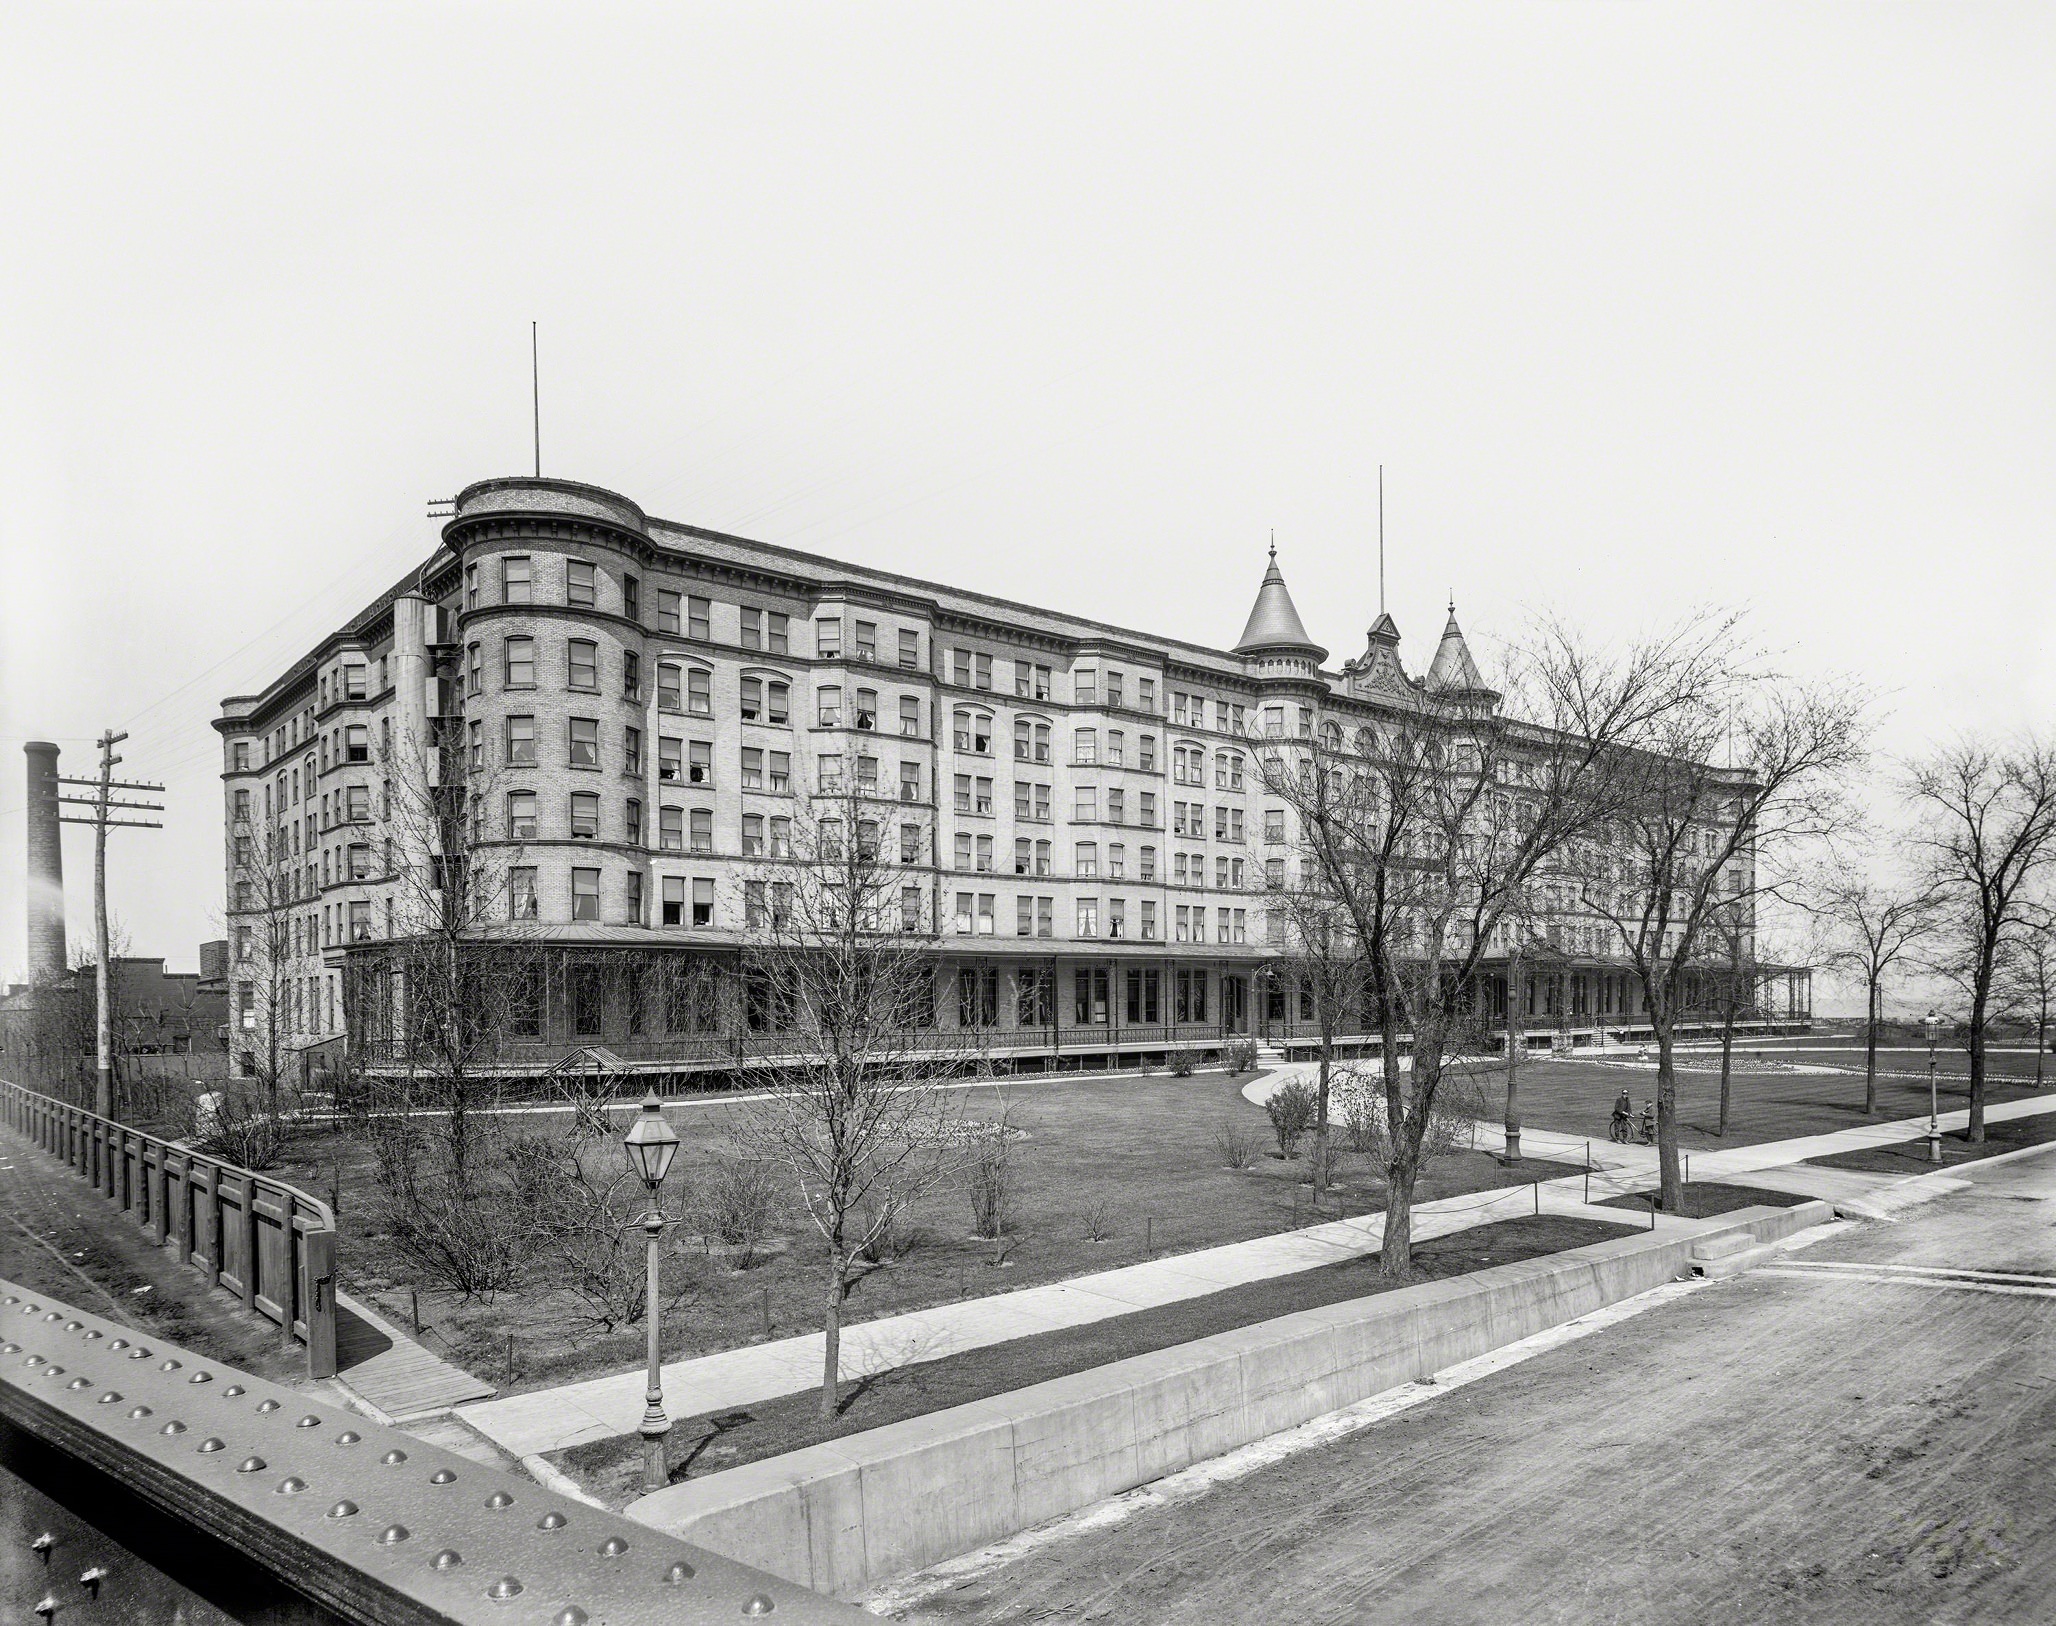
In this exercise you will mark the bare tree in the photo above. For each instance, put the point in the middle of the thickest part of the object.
(839, 978)
(1872, 930)
(1430, 826)
(2027, 977)
(443, 1002)
(265, 886)
(1988, 830)
(1319, 965)
(1698, 846)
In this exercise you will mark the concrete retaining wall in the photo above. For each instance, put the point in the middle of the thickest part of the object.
(845, 1516)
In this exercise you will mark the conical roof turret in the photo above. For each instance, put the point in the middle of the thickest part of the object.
(1453, 669)
(1273, 620)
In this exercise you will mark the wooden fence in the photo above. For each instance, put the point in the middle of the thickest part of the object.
(269, 1243)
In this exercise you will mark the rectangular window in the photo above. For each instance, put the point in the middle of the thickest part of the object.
(357, 743)
(1149, 920)
(752, 768)
(631, 675)
(699, 762)
(910, 844)
(831, 771)
(910, 647)
(1145, 694)
(910, 781)
(1089, 996)
(753, 835)
(1034, 997)
(981, 670)
(632, 821)
(470, 587)
(582, 664)
(631, 598)
(752, 627)
(585, 894)
(1087, 858)
(1144, 984)
(828, 637)
(1085, 686)
(521, 899)
(1117, 805)
(699, 692)
(673, 904)
(910, 716)
(632, 750)
(865, 710)
(702, 824)
(1086, 803)
(752, 699)
(667, 610)
(828, 707)
(1085, 745)
(585, 814)
(910, 908)
(585, 742)
(866, 640)
(781, 770)
(699, 619)
(982, 802)
(703, 903)
(1114, 689)
(520, 663)
(1088, 917)
(580, 582)
(517, 579)
(1274, 824)
(670, 759)
(671, 829)
(960, 667)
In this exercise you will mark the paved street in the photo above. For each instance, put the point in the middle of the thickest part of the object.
(1864, 1432)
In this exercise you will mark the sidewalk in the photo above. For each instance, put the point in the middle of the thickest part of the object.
(599, 1408)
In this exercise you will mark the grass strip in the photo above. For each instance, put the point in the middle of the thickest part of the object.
(1911, 1156)
(703, 1445)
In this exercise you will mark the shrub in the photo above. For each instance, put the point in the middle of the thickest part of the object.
(1292, 1108)
(737, 1199)
(1323, 1159)
(1358, 1097)
(1236, 1143)
(1181, 1064)
(1239, 1055)
(989, 1183)
(1099, 1220)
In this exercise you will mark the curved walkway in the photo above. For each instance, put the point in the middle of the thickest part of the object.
(601, 1408)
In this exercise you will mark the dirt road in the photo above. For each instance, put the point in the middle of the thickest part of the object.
(1819, 1445)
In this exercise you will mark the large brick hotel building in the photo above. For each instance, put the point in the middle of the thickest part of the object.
(652, 703)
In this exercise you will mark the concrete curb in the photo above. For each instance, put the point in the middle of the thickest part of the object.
(844, 1516)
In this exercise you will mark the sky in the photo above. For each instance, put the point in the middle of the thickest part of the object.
(1643, 309)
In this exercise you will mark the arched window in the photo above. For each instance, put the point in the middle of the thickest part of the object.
(971, 730)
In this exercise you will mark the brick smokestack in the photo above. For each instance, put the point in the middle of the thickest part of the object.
(46, 866)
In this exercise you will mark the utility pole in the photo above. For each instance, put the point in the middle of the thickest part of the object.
(104, 807)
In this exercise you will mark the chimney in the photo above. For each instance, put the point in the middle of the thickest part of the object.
(46, 866)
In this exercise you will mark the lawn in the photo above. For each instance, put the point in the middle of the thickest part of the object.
(1706, 1198)
(1132, 1159)
(1780, 1090)
(610, 1469)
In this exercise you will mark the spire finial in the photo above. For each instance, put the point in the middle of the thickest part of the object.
(1274, 544)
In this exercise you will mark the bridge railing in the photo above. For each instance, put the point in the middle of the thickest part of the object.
(271, 1244)
(366, 1522)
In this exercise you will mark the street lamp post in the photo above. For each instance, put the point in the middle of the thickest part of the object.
(651, 1143)
(1934, 1034)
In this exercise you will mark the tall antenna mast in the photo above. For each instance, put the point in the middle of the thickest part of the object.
(535, 381)
(1381, 538)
